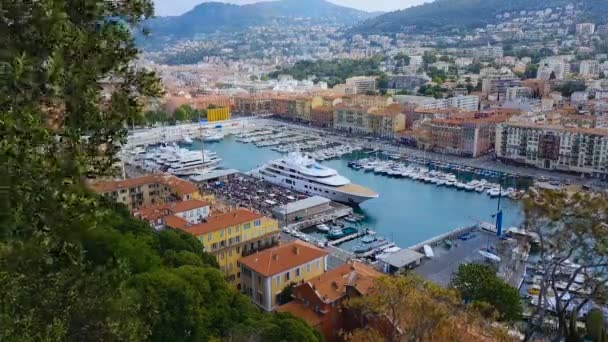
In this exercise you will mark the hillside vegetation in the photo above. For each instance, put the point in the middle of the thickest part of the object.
(210, 17)
(445, 15)
(74, 266)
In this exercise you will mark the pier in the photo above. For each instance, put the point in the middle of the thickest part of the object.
(347, 238)
(337, 213)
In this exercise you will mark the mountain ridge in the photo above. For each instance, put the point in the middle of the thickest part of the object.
(445, 15)
(209, 17)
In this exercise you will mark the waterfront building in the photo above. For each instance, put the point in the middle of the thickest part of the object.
(299, 108)
(148, 190)
(252, 104)
(265, 274)
(201, 102)
(366, 101)
(360, 85)
(320, 300)
(322, 116)
(550, 147)
(384, 122)
(468, 137)
(498, 85)
(233, 235)
(218, 114)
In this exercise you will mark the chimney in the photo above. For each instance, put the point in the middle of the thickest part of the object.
(296, 250)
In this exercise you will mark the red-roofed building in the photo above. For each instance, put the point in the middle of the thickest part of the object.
(148, 190)
(191, 211)
(232, 235)
(265, 274)
(464, 136)
(319, 301)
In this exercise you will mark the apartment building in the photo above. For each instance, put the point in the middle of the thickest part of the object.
(469, 102)
(322, 116)
(577, 150)
(585, 28)
(384, 122)
(148, 190)
(590, 68)
(468, 137)
(233, 235)
(360, 85)
(516, 93)
(299, 108)
(187, 212)
(252, 104)
(498, 85)
(265, 274)
(366, 101)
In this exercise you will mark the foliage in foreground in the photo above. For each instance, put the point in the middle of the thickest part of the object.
(73, 266)
(411, 309)
(478, 282)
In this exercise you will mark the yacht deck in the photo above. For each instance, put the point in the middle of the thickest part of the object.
(357, 190)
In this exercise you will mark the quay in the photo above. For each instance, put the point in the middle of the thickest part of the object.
(350, 237)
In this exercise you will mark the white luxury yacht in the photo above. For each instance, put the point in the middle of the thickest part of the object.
(305, 175)
(180, 161)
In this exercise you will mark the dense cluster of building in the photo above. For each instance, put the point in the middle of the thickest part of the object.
(246, 245)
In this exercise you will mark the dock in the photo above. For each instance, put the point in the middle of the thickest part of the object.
(347, 238)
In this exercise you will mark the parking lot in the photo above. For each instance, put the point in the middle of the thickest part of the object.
(249, 192)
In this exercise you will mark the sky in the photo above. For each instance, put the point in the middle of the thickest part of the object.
(177, 7)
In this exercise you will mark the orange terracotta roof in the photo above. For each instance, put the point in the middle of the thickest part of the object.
(390, 110)
(175, 222)
(331, 285)
(180, 186)
(224, 220)
(282, 258)
(298, 309)
(158, 211)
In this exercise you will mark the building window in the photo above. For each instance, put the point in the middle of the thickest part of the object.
(308, 267)
(257, 223)
(247, 226)
(317, 264)
(297, 272)
(229, 231)
(210, 236)
(278, 280)
(287, 276)
(222, 233)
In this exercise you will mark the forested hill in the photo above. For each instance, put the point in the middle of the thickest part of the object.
(211, 17)
(445, 15)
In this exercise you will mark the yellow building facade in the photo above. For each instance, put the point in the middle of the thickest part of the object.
(264, 275)
(218, 114)
(233, 235)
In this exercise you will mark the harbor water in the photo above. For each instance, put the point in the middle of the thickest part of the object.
(407, 211)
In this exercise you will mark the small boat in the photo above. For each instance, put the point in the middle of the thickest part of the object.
(214, 137)
(323, 227)
(187, 140)
(337, 233)
(369, 239)
(350, 219)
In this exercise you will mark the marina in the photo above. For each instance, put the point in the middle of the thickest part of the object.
(406, 210)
